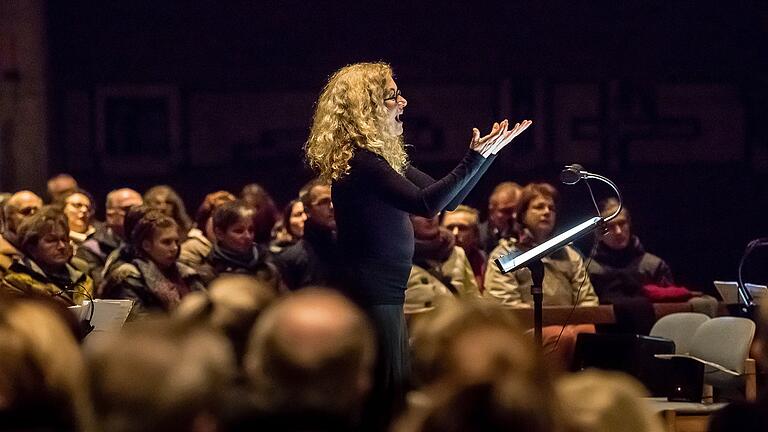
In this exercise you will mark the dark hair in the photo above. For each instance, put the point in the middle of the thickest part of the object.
(305, 194)
(609, 205)
(132, 217)
(179, 210)
(266, 211)
(287, 216)
(210, 203)
(148, 226)
(80, 191)
(35, 227)
(229, 213)
(530, 192)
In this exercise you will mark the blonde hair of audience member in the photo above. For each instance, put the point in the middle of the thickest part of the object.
(464, 224)
(231, 305)
(41, 366)
(335, 134)
(161, 376)
(600, 401)
(312, 352)
(471, 349)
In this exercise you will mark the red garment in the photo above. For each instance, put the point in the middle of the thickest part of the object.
(666, 294)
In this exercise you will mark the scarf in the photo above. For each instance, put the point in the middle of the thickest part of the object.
(226, 260)
(168, 287)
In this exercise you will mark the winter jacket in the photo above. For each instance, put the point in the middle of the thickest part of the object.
(26, 278)
(453, 277)
(565, 280)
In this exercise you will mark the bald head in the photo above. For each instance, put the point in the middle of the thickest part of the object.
(502, 205)
(19, 206)
(314, 350)
(119, 201)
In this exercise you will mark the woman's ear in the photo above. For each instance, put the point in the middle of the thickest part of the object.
(146, 244)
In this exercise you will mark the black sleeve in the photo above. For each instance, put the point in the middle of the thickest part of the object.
(470, 184)
(403, 194)
(418, 177)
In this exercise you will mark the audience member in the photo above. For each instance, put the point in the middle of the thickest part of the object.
(265, 210)
(92, 254)
(160, 376)
(600, 401)
(42, 372)
(79, 208)
(310, 360)
(439, 267)
(234, 250)
(314, 259)
(124, 253)
(18, 207)
(477, 371)
(153, 279)
(45, 270)
(464, 224)
(289, 229)
(60, 186)
(501, 215)
(565, 280)
(199, 241)
(167, 201)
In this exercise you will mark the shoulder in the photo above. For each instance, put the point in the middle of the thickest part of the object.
(125, 272)
(505, 246)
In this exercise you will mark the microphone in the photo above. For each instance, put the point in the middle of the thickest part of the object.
(572, 174)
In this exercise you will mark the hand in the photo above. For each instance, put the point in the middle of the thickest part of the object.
(498, 137)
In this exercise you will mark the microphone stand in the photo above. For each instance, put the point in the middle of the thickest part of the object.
(532, 258)
(749, 302)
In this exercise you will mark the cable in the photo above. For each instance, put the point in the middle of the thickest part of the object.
(586, 272)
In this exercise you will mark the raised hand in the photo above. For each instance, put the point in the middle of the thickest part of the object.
(497, 138)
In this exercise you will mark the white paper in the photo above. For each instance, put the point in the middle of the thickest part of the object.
(729, 291)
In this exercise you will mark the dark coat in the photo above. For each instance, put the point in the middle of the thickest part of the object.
(313, 260)
(258, 264)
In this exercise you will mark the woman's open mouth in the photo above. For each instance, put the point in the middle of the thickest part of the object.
(398, 118)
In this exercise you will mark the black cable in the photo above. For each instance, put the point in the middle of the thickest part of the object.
(586, 273)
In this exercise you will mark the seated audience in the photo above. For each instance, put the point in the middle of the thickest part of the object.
(565, 282)
(43, 380)
(159, 376)
(290, 228)
(265, 211)
(200, 239)
(314, 259)
(18, 207)
(79, 208)
(310, 361)
(124, 253)
(463, 223)
(153, 279)
(168, 202)
(622, 269)
(45, 270)
(91, 256)
(501, 215)
(234, 250)
(477, 372)
(59, 186)
(439, 268)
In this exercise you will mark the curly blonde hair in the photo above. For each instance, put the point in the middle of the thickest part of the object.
(349, 114)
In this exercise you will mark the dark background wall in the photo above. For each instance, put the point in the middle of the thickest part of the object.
(670, 99)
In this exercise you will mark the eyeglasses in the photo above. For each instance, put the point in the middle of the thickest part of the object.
(395, 96)
(28, 211)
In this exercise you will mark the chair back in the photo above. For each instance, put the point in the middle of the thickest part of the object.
(725, 341)
(680, 327)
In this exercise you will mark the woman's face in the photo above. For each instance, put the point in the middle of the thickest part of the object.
(53, 250)
(163, 247)
(395, 104)
(77, 208)
(238, 237)
(540, 217)
(297, 219)
(162, 203)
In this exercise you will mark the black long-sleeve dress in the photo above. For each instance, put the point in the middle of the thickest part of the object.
(372, 204)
